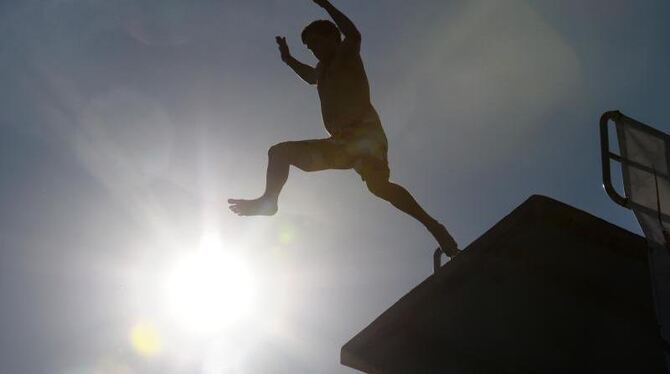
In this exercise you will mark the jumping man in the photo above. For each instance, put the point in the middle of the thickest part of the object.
(357, 139)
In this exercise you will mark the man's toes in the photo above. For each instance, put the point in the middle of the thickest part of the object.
(234, 201)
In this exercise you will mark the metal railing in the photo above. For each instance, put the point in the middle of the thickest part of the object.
(607, 156)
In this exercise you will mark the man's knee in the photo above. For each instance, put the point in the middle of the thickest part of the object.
(378, 186)
(283, 151)
(292, 153)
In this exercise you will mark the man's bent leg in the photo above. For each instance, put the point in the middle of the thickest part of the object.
(307, 155)
(279, 162)
(403, 200)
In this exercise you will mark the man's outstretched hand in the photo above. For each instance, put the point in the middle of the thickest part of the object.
(283, 48)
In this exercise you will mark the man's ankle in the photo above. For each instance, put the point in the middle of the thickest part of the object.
(270, 197)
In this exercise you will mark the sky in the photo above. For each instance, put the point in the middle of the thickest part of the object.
(126, 125)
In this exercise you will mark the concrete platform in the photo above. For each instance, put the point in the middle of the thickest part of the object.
(548, 289)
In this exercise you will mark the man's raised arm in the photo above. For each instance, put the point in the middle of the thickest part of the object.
(343, 23)
(306, 72)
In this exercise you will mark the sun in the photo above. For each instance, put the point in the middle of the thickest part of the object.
(210, 289)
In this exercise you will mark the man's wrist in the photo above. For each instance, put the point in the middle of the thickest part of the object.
(323, 3)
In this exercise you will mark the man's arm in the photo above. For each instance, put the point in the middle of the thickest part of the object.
(345, 25)
(306, 72)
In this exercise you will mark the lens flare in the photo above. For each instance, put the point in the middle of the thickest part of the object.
(145, 339)
(287, 234)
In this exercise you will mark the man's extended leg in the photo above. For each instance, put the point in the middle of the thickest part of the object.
(403, 200)
(307, 155)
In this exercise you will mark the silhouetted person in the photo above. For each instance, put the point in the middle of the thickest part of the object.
(357, 139)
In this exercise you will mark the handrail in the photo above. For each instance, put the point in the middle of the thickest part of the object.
(605, 158)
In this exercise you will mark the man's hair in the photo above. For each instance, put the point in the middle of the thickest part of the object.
(321, 27)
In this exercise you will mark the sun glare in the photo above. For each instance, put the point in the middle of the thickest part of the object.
(209, 290)
(145, 339)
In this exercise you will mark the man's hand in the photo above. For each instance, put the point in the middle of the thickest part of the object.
(321, 3)
(283, 48)
(343, 23)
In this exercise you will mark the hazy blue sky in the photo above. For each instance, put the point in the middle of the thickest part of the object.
(126, 124)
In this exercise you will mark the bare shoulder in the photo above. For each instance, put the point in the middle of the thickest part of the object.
(348, 56)
(350, 46)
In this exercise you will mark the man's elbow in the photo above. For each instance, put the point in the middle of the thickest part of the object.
(354, 35)
(310, 80)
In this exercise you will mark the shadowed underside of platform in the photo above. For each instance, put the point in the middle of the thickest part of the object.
(547, 289)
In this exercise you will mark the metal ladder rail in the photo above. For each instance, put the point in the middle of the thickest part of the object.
(606, 157)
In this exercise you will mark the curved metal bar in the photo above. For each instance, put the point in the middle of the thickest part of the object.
(605, 157)
(437, 260)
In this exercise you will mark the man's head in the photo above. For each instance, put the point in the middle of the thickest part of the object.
(322, 38)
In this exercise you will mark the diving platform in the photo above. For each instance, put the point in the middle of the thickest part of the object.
(548, 289)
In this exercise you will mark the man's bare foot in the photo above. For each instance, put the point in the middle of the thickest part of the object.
(263, 206)
(446, 242)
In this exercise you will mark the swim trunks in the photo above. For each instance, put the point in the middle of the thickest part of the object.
(361, 146)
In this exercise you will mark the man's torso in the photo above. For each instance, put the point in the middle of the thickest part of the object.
(344, 92)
